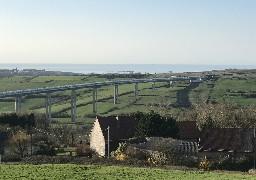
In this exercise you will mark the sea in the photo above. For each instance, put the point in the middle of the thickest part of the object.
(124, 68)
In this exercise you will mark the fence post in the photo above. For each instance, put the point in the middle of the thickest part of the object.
(108, 141)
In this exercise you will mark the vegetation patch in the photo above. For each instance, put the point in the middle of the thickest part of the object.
(72, 171)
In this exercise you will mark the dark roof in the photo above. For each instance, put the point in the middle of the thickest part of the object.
(226, 140)
(120, 129)
(188, 130)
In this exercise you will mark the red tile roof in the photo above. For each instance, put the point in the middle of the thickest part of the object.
(226, 140)
(120, 129)
(188, 130)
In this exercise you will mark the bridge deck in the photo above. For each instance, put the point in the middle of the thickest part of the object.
(88, 85)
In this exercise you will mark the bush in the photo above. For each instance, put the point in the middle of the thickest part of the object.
(137, 153)
(188, 161)
(234, 163)
(205, 164)
(119, 154)
(84, 151)
(11, 158)
(152, 161)
(121, 157)
(83, 160)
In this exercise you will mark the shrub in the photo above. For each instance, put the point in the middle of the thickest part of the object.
(151, 160)
(11, 158)
(84, 151)
(121, 157)
(119, 154)
(137, 153)
(188, 161)
(234, 163)
(205, 164)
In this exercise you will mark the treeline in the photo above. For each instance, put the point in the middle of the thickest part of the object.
(220, 115)
(13, 119)
(153, 124)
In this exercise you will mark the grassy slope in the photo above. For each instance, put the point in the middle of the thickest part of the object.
(241, 91)
(233, 90)
(71, 171)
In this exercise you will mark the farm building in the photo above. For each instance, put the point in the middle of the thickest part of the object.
(224, 141)
(121, 129)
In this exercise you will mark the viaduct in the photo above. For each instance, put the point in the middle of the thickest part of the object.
(48, 90)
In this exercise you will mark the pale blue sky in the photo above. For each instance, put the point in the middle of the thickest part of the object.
(128, 31)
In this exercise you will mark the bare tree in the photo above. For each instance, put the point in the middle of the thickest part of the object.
(64, 134)
(19, 143)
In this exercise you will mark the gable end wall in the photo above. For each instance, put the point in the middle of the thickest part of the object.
(97, 141)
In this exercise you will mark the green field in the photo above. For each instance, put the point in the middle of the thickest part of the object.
(72, 171)
(241, 91)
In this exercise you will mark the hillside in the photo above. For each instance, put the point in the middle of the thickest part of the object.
(240, 90)
(234, 88)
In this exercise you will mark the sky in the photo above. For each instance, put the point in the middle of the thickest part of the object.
(210, 32)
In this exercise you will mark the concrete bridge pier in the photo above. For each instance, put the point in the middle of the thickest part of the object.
(136, 90)
(73, 106)
(48, 108)
(153, 85)
(95, 99)
(17, 104)
(116, 94)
